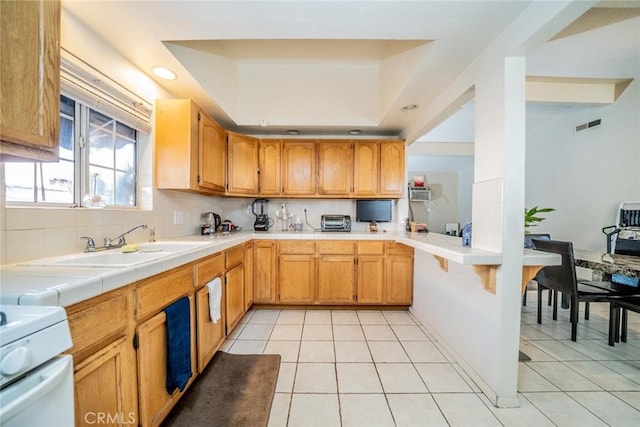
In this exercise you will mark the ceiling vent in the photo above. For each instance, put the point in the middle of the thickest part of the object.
(589, 125)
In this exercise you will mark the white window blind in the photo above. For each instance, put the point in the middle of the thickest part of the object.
(86, 84)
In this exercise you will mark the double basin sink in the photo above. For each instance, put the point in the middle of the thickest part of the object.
(115, 258)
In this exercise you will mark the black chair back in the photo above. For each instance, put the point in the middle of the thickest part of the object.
(561, 277)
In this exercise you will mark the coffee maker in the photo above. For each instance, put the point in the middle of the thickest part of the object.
(260, 208)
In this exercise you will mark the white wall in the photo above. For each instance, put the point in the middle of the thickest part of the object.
(585, 175)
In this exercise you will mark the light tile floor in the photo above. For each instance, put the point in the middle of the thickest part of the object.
(380, 368)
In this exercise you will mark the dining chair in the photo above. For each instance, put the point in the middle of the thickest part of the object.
(528, 244)
(563, 278)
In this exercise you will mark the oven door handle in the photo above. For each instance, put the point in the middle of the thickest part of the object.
(47, 380)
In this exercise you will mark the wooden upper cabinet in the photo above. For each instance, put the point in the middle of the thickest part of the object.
(212, 159)
(392, 174)
(242, 163)
(190, 148)
(270, 161)
(30, 83)
(335, 168)
(366, 168)
(298, 168)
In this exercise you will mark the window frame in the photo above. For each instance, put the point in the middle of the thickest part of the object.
(81, 165)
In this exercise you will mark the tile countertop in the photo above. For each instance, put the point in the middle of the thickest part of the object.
(64, 286)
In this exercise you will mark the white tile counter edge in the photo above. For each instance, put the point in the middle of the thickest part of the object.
(65, 286)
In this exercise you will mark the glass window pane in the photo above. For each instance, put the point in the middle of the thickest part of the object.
(102, 180)
(101, 140)
(125, 131)
(19, 181)
(66, 138)
(56, 179)
(67, 106)
(125, 155)
(125, 189)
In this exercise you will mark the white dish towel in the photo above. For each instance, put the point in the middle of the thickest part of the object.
(215, 296)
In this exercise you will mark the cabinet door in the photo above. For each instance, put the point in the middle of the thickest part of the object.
(298, 168)
(242, 163)
(296, 279)
(105, 383)
(399, 280)
(234, 298)
(264, 278)
(270, 163)
(176, 144)
(30, 84)
(212, 155)
(248, 276)
(335, 168)
(155, 402)
(336, 277)
(366, 168)
(370, 279)
(210, 335)
(392, 174)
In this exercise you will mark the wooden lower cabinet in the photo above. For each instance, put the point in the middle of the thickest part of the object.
(336, 279)
(154, 400)
(264, 272)
(105, 386)
(335, 272)
(399, 282)
(399, 274)
(296, 279)
(234, 296)
(248, 275)
(209, 335)
(370, 279)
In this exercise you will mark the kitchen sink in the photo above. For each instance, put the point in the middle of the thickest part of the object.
(114, 258)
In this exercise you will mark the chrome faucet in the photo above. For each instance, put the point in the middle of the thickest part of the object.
(108, 243)
(91, 245)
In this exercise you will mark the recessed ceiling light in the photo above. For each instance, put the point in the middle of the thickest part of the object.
(164, 73)
(293, 132)
(408, 107)
(355, 132)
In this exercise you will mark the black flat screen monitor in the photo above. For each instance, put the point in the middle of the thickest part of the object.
(373, 210)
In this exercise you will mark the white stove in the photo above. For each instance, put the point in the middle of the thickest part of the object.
(36, 382)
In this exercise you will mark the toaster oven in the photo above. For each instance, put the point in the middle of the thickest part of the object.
(335, 223)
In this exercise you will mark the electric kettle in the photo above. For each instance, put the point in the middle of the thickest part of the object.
(211, 224)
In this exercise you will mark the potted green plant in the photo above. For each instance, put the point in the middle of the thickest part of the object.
(531, 217)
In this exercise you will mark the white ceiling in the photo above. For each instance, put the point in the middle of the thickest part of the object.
(326, 67)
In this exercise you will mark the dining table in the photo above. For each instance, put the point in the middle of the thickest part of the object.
(624, 268)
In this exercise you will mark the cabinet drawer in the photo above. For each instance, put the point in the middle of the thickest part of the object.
(234, 256)
(208, 270)
(297, 247)
(394, 248)
(336, 247)
(97, 321)
(157, 292)
(371, 248)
